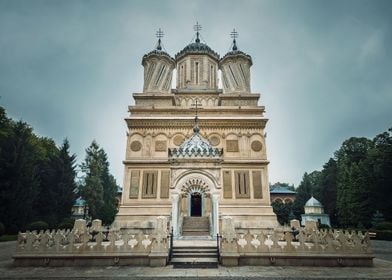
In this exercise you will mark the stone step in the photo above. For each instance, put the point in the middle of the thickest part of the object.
(194, 229)
(195, 233)
(195, 249)
(194, 262)
(194, 254)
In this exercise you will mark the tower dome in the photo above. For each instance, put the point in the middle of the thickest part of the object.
(235, 66)
(312, 202)
(197, 66)
(158, 69)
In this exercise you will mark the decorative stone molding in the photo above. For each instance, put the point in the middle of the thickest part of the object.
(136, 146)
(160, 146)
(232, 145)
(214, 140)
(256, 146)
(194, 185)
(178, 139)
(333, 247)
(95, 244)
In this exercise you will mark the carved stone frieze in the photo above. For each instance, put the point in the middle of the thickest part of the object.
(214, 140)
(178, 139)
(136, 146)
(256, 146)
(232, 145)
(160, 146)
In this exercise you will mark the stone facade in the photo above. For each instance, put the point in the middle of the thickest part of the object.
(159, 182)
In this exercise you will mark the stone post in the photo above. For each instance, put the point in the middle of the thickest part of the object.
(80, 226)
(174, 222)
(215, 214)
(96, 225)
(159, 251)
(229, 248)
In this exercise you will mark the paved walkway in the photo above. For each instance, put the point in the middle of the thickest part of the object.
(382, 269)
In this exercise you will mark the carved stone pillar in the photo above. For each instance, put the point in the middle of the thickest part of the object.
(215, 213)
(175, 213)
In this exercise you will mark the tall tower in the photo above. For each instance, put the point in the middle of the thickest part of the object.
(204, 167)
(235, 66)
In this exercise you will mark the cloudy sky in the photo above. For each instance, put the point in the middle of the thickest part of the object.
(324, 68)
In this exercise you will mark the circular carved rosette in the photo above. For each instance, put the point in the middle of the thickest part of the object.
(214, 140)
(256, 146)
(178, 139)
(136, 146)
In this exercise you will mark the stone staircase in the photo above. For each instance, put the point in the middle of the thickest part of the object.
(196, 226)
(194, 254)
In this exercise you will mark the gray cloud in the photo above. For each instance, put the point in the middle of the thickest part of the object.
(323, 68)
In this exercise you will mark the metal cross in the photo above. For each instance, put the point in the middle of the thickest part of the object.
(234, 34)
(197, 27)
(196, 106)
(159, 34)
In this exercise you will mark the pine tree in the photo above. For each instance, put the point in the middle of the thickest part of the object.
(98, 187)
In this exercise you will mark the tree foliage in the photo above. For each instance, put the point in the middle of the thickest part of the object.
(36, 176)
(98, 186)
(355, 184)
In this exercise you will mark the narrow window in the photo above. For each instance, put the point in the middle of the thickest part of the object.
(197, 72)
(242, 184)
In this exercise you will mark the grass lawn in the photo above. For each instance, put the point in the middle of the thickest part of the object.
(7, 237)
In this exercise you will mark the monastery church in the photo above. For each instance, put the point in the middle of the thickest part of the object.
(196, 153)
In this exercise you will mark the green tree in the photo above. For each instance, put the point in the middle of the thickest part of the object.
(310, 185)
(99, 186)
(353, 194)
(19, 172)
(282, 211)
(328, 189)
(32, 184)
(379, 165)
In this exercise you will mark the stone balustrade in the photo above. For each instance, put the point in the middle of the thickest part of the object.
(70, 241)
(96, 244)
(301, 247)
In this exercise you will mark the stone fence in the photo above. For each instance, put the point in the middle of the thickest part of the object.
(302, 246)
(93, 245)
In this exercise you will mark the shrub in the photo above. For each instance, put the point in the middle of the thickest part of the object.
(324, 226)
(67, 223)
(2, 229)
(38, 225)
(383, 235)
(384, 226)
(12, 229)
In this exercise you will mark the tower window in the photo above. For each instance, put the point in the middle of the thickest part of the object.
(242, 184)
(150, 184)
(197, 72)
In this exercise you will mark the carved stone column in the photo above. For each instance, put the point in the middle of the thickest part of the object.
(215, 213)
(175, 212)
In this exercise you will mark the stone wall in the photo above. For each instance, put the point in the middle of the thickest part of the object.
(300, 247)
(93, 246)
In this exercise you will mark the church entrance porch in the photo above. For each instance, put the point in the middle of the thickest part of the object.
(196, 205)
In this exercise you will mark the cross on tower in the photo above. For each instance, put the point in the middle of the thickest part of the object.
(197, 28)
(196, 107)
(234, 35)
(159, 34)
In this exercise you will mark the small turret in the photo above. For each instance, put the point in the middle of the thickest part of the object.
(158, 69)
(235, 67)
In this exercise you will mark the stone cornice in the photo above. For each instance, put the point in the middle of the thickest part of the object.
(242, 110)
(187, 123)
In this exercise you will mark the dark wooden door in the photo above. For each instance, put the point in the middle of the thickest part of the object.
(196, 205)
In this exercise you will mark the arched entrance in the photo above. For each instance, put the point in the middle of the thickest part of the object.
(194, 196)
(196, 204)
